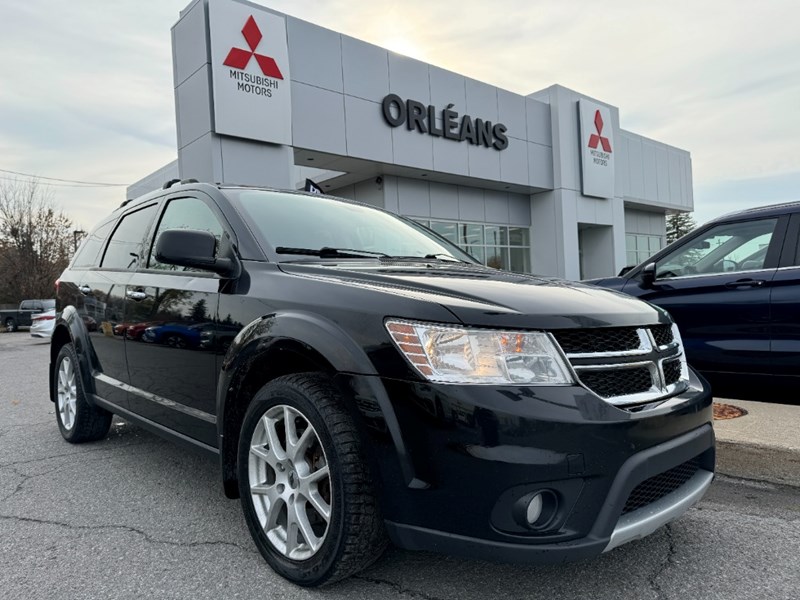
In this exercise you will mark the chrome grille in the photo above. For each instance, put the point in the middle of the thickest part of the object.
(586, 341)
(672, 371)
(626, 365)
(609, 383)
(662, 334)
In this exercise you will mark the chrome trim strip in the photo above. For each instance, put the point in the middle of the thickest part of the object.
(646, 520)
(724, 274)
(188, 410)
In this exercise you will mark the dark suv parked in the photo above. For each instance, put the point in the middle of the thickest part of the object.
(733, 287)
(382, 384)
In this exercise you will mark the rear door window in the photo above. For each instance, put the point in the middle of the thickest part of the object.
(125, 246)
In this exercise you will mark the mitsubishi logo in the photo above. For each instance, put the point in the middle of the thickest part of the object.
(595, 138)
(239, 58)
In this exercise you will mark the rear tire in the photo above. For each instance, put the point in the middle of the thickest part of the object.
(305, 488)
(11, 325)
(78, 420)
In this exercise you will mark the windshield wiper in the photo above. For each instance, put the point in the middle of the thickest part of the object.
(327, 252)
(440, 256)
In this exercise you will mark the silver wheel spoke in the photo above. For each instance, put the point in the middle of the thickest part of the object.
(291, 528)
(274, 513)
(302, 445)
(317, 476)
(318, 504)
(273, 439)
(290, 428)
(304, 526)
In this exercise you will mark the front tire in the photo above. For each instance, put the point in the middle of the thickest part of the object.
(78, 420)
(305, 488)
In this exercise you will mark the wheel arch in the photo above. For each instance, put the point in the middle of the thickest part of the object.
(272, 346)
(70, 328)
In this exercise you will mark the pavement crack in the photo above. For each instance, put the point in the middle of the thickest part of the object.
(396, 587)
(147, 537)
(668, 562)
(81, 453)
(20, 485)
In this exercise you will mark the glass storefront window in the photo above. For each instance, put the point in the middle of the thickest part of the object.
(641, 247)
(448, 231)
(497, 235)
(497, 246)
(520, 260)
(519, 236)
(470, 234)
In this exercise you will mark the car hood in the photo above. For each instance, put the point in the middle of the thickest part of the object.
(482, 296)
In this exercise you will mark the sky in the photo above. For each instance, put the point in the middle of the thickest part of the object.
(86, 86)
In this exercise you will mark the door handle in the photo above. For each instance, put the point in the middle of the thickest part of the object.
(136, 295)
(740, 283)
(85, 290)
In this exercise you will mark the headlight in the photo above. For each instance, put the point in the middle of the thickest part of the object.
(453, 354)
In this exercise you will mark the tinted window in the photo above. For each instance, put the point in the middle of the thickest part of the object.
(125, 244)
(89, 250)
(725, 248)
(185, 213)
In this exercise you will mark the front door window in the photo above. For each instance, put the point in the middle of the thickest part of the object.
(726, 248)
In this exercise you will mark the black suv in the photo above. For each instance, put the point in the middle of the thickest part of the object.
(362, 380)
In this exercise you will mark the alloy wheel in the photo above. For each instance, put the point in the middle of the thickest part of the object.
(290, 482)
(67, 393)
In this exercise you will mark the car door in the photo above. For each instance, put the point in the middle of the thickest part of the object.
(169, 312)
(717, 286)
(785, 307)
(103, 301)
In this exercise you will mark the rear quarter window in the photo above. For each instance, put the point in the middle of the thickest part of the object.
(87, 255)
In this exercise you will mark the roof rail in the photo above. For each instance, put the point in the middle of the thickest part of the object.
(124, 202)
(170, 183)
(190, 180)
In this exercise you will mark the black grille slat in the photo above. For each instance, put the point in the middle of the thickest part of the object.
(586, 341)
(608, 383)
(662, 334)
(672, 371)
(660, 485)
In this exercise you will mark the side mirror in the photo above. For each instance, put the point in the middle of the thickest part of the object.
(195, 249)
(648, 274)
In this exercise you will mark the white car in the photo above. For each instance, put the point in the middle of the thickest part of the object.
(42, 324)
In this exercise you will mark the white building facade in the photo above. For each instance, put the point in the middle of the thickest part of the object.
(546, 183)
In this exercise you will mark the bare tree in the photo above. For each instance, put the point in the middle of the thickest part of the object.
(35, 241)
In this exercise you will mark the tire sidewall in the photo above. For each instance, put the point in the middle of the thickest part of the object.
(316, 569)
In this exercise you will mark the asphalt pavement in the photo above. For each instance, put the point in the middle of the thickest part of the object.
(134, 516)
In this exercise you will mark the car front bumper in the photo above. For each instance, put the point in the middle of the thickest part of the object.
(454, 462)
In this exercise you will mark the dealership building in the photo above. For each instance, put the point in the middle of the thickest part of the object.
(546, 183)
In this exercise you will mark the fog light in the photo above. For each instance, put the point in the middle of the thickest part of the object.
(534, 510)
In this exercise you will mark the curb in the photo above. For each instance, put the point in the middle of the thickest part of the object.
(758, 462)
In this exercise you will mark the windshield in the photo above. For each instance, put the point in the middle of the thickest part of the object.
(297, 226)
